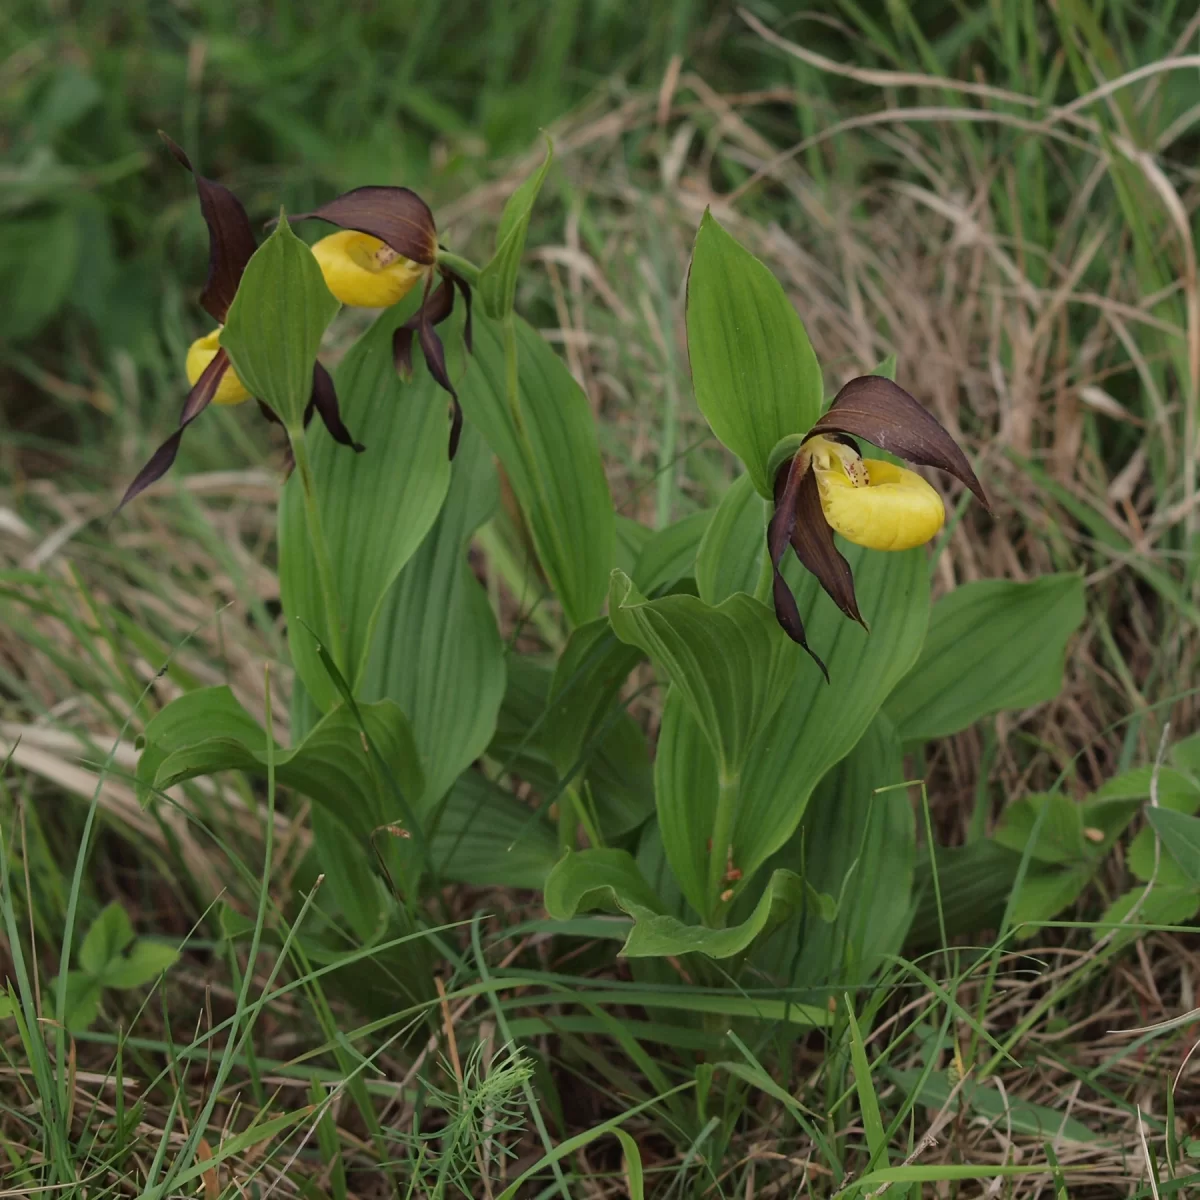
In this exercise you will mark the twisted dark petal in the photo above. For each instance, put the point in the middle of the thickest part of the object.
(435, 308)
(788, 481)
(230, 238)
(402, 340)
(883, 413)
(198, 399)
(465, 288)
(271, 415)
(325, 401)
(435, 356)
(394, 215)
(438, 307)
(456, 424)
(812, 540)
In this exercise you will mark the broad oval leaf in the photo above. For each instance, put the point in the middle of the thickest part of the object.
(730, 663)
(992, 645)
(551, 458)
(437, 651)
(754, 372)
(274, 326)
(498, 279)
(376, 507)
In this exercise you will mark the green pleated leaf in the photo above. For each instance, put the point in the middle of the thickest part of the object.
(731, 664)
(816, 724)
(274, 327)
(437, 651)
(734, 544)
(754, 372)
(498, 279)
(858, 844)
(591, 880)
(669, 555)
(376, 507)
(555, 470)
(613, 758)
(587, 681)
(588, 880)
(486, 837)
(632, 537)
(208, 731)
(992, 645)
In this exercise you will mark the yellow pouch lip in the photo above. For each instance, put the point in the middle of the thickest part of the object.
(351, 264)
(897, 510)
(231, 390)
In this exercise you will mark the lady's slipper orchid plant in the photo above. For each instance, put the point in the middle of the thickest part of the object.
(386, 245)
(231, 244)
(823, 485)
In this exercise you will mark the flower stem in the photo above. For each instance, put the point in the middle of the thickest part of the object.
(722, 842)
(460, 266)
(320, 547)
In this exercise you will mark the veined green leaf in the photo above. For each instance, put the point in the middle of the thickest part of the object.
(498, 279)
(857, 843)
(992, 645)
(615, 761)
(274, 327)
(587, 880)
(376, 507)
(591, 879)
(486, 837)
(207, 731)
(815, 725)
(734, 544)
(437, 651)
(550, 456)
(587, 681)
(755, 375)
(731, 664)
(670, 554)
